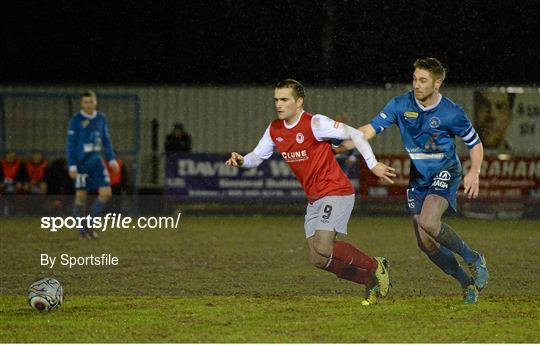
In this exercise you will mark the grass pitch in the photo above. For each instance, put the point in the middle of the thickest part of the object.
(247, 279)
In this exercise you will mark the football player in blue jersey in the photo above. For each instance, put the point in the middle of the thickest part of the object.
(87, 137)
(428, 123)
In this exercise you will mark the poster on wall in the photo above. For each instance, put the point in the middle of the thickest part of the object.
(508, 121)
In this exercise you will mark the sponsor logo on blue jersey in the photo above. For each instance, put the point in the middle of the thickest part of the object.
(441, 180)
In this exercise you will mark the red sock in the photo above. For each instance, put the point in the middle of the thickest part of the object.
(349, 272)
(349, 254)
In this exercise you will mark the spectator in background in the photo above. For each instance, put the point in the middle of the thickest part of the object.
(36, 170)
(12, 174)
(118, 179)
(178, 141)
(12, 178)
(57, 178)
(59, 185)
(119, 186)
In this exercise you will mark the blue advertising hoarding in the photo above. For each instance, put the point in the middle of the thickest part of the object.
(206, 177)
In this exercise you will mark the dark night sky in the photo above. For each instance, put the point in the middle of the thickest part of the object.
(246, 42)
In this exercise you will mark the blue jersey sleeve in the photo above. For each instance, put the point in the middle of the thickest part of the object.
(107, 144)
(463, 128)
(386, 117)
(71, 142)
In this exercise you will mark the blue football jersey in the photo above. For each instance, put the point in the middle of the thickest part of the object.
(428, 134)
(87, 138)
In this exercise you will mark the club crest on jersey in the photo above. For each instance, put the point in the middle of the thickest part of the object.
(441, 180)
(85, 123)
(410, 114)
(299, 138)
(279, 139)
(434, 122)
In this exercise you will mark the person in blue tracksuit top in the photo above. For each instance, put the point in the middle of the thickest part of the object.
(428, 123)
(87, 138)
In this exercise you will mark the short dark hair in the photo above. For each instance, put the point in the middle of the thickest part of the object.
(298, 89)
(88, 93)
(433, 66)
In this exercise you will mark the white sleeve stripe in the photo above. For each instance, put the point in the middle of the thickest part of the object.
(473, 142)
(471, 139)
(469, 136)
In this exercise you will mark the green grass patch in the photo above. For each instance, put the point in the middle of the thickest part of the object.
(247, 279)
(271, 319)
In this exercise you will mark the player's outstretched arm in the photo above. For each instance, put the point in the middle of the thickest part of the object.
(262, 151)
(236, 160)
(325, 128)
(347, 145)
(380, 170)
(384, 172)
(368, 131)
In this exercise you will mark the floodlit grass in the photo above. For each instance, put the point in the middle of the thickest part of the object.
(247, 279)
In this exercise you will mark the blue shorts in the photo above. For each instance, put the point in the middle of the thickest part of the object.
(444, 184)
(92, 176)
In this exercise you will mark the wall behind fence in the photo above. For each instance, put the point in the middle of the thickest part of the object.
(223, 119)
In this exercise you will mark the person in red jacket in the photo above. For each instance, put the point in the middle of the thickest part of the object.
(118, 178)
(12, 174)
(303, 140)
(119, 183)
(36, 171)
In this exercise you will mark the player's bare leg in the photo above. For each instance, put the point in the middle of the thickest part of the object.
(79, 210)
(104, 195)
(320, 247)
(349, 263)
(443, 258)
(430, 221)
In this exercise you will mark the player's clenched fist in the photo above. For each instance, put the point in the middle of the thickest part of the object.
(384, 172)
(236, 160)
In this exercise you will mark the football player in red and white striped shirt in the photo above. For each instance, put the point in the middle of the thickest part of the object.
(303, 140)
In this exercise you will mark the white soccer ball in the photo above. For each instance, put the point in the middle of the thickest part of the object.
(46, 294)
